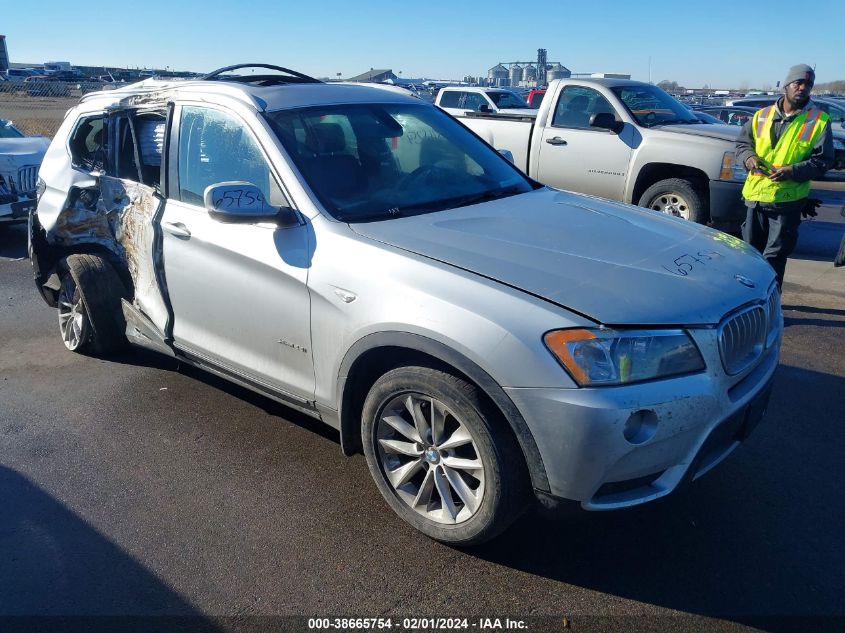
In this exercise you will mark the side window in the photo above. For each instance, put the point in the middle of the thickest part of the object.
(87, 143)
(575, 106)
(215, 147)
(450, 99)
(473, 101)
(138, 141)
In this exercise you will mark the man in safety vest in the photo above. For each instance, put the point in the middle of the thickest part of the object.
(783, 147)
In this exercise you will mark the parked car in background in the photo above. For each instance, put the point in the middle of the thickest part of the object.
(535, 97)
(19, 74)
(625, 140)
(704, 117)
(361, 256)
(46, 86)
(731, 115)
(20, 157)
(458, 100)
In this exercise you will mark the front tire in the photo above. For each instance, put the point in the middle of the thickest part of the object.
(678, 197)
(443, 460)
(89, 306)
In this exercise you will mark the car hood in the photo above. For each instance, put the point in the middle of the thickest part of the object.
(710, 130)
(28, 150)
(611, 262)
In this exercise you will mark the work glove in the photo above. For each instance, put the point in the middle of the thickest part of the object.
(810, 206)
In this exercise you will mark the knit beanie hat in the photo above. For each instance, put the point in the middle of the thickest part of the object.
(799, 71)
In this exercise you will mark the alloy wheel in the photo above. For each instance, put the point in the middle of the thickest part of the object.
(73, 320)
(430, 458)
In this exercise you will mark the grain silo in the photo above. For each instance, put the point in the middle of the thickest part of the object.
(515, 74)
(558, 71)
(497, 76)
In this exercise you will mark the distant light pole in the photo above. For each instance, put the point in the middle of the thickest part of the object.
(338, 76)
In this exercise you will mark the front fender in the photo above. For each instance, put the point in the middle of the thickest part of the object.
(403, 342)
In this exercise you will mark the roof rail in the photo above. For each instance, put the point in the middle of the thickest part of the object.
(264, 80)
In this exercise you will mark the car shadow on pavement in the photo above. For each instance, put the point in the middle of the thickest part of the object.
(13, 241)
(758, 538)
(144, 358)
(813, 310)
(57, 572)
(789, 320)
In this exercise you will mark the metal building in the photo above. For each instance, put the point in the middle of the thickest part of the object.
(541, 67)
(4, 55)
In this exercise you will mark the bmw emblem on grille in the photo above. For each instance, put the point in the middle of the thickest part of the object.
(745, 281)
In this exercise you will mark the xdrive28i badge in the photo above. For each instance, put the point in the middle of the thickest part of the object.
(745, 281)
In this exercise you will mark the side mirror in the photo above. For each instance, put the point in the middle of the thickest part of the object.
(507, 154)
(606, 121)
(484, 108)
(243, 203)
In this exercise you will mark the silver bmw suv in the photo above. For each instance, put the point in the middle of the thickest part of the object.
(361, 256)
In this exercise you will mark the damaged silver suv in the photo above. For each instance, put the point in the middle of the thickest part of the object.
(361, 256)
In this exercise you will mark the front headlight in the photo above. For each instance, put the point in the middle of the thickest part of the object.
(731, 169)
(600, 357)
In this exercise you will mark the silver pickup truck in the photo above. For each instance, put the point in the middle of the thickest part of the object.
(624, 140)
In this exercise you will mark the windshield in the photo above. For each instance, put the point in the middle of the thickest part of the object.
(836, 113)
(651, 106)
(506, 100)
(7, 130)
(370, 162)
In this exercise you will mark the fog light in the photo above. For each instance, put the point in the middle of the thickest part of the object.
(640, 426)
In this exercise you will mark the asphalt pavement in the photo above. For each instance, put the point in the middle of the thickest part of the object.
(138, 493)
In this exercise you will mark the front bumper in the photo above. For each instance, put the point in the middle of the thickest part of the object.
(727, 210)
(17, 210)
(691, 424)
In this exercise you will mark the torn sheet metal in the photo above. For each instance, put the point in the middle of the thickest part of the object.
(119, 215)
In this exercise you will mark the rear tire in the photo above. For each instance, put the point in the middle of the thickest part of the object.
(678, 197)
(444, 461)
(90, 313)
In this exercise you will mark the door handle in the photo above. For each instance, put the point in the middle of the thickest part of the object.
(555, 141)
(176, 228)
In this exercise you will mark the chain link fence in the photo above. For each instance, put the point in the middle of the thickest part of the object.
(38, 107)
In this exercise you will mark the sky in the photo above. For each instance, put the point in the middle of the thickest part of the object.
(693, 43)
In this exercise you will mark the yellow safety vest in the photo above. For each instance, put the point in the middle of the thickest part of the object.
(794, 145)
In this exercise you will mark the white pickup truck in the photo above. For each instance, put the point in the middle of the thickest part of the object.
(458, 100)
(624, 140)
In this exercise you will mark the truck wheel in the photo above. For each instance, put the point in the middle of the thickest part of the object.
(442, 460)
(90, 315)
(678, 197)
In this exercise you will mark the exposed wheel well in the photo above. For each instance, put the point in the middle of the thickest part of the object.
(655, 172)
(49, 290)
(375, 360)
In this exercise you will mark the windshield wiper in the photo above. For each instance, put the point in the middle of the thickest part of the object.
(485, 196)
(434, 205)
(672, 122)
